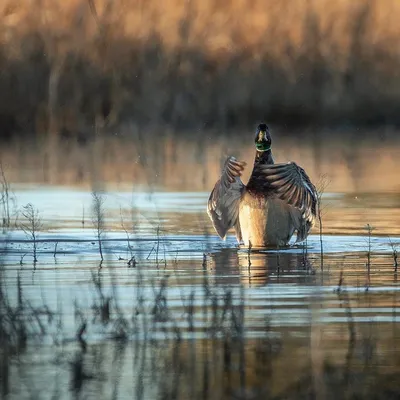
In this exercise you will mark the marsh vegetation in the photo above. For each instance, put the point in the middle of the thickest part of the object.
(193, 317)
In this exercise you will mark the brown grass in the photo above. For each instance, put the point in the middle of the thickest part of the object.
(67, 66)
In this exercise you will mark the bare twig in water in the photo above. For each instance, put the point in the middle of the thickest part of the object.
(55, 250)
(104, 308)
(204, 263)
(160, 310)
(151, 251)
(369, 229)
(128, 238)
(78, 374)
(350, 321)
(98, 219)
(321, 186)
(31, 225)
(340, 284)
(278, 259)
(21, 261)
(395, 255)
(80, 332)
(158, 243)
(132, 262)
(5, 198)
(83, 216)
(343, 296)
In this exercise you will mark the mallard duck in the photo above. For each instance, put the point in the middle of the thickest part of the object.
(278, 199)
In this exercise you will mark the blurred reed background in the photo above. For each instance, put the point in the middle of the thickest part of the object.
(154, 72)
(197, 63)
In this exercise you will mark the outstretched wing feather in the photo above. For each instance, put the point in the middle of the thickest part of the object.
(291, 184)
(223, 203)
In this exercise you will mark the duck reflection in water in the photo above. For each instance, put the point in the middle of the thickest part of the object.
(234, 266)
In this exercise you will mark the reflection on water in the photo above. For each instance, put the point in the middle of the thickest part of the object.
(213, 369)
(259, 268)
(193, 164)
(176, 313)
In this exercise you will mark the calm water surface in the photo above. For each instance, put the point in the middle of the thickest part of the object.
(192, 316)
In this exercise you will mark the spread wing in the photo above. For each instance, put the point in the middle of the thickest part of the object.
(291, 184)
(223, 203)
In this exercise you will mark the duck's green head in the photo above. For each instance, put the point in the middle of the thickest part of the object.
(263, 138)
